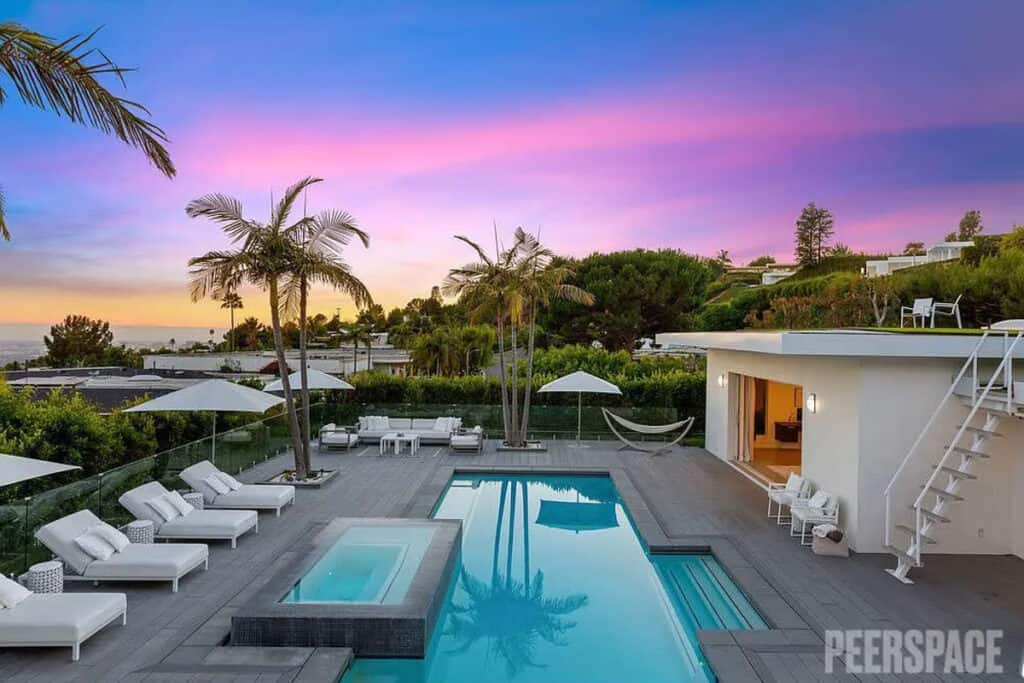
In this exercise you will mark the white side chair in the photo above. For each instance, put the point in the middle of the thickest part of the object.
(950, 309)
(784, 494)
(922, 309)
(821, 508)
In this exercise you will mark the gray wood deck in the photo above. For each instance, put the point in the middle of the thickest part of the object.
(690, 495)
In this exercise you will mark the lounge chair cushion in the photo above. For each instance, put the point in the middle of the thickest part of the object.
(12, 593)
(94, 546)
(339, 438)
(150, 561)
(256, 496)
(109, 534)
(818, 500)
(195, 476)
(59, 536)
(163, 507)
(135, 501)
(215, 483)
(59, 618)
(180, 504)
(794, 483)
(210, 524)
(229, 481)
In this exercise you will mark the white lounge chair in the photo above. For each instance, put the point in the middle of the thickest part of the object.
(59, 619)
(950, 309)
(135, 562)
(922, 309)
(821, 508)
(783, 495)
(333, 436)
(207, 525)
(470, 440)
(244, 497)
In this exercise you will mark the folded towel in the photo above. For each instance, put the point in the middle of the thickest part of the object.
(823, 530)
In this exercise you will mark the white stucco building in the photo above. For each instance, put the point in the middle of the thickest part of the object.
(936, 253)
(844, 408)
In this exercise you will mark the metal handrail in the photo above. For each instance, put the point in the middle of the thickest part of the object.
(969, 363)
(1004, 365)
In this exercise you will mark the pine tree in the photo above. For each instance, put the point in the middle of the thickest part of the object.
(814, 229)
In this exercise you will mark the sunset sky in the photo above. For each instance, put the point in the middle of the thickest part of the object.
(607, 125)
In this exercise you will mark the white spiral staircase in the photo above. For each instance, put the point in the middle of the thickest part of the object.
(986, 403)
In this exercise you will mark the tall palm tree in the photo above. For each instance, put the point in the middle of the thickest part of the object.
(317, 260)
(63, 78)
(265, 255)
(231, 301)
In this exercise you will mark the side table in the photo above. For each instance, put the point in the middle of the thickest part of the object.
(46, 577)
(195, 499)
(139, 531)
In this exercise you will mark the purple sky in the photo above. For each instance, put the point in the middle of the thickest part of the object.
(692, 125)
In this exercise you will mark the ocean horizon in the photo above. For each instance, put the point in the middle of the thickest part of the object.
(24, 341)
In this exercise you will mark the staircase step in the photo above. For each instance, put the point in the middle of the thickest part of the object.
(934, 516)
(980, 431)
(960, 450)
(902, 554)
(942, 493)
(910, 530)
(956, 473)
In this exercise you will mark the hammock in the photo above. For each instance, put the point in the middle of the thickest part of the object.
(685, 425)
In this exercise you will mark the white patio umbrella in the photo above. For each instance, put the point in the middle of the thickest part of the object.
(316, 380)
(14, 468)
(215, 396)
(580, 383)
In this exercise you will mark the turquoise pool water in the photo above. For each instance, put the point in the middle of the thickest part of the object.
(554, 585)
(367, 564)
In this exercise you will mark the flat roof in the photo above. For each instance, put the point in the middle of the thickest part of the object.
(849, 343)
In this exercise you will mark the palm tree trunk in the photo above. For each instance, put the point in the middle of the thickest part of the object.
(231, 335)
(304, 374)
(516, 441)
(369, 353)
(501, 374)
(525, 429)
(282, 366)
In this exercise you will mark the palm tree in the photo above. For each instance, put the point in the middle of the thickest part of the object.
(316, 260)
(266, 254)
(232, 302)
(63, 78)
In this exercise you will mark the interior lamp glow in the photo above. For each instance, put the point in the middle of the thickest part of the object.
(812, 403)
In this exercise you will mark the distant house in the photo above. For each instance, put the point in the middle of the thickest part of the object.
(937, 253)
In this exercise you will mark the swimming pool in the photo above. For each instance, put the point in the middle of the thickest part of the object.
(367, 564)
(553, 584)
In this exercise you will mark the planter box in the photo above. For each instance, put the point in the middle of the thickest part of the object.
(530, 447)
(327, 476)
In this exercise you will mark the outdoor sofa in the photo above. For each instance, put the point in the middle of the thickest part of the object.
(55, 619)
(333, 436)
(207, 525)
(433, 430)
(233, 495)
(132, 562)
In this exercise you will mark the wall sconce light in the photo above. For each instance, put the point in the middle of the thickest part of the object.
(812, 403)
(722, 380)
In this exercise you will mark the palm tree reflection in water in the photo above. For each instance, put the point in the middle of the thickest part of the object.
(509, 614)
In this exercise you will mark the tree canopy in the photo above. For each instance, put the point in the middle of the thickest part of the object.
(814, 229)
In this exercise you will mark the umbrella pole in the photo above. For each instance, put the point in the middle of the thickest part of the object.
(579, 417)
(213, 441)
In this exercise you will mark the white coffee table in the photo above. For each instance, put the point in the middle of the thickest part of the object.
(394, 441)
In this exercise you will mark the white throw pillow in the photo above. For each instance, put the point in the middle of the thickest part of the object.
(362, 424)
(794, 483)
(11, 592)
(229, 481)
(163, 508)
(441, 424)
(94, 546)
(180, 504)
(214, 482)
(382, 423)
(818, 500)
(111, 536)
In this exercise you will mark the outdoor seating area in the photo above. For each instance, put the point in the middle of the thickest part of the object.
(925, 310)
(807, 508)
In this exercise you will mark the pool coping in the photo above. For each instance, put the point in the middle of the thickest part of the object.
(732, 654)
(370, 630)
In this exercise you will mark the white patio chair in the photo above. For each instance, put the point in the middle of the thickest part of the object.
(56, 619)
(133, 562)
(207, 525)
(922, 309)
(950, 309)
(333, 436)
(233, 495)
(783, 495)
(469, 440)
(821, 508)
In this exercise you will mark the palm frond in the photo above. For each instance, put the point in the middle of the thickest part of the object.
(3, 223)
(63, 78)
(334, 229)
(222, 209)
(215, 272)
(481, 254)
(284, 206)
